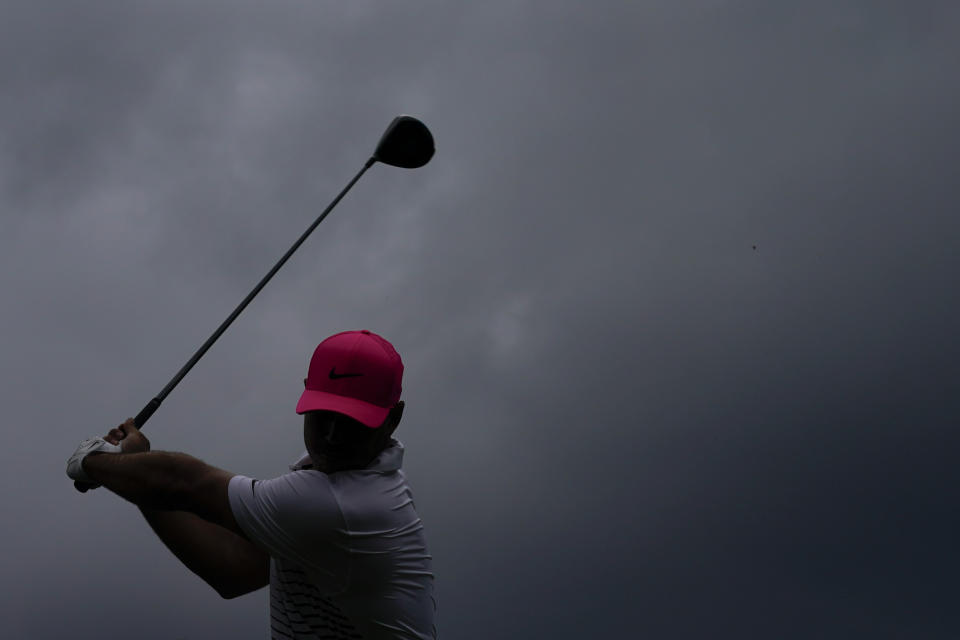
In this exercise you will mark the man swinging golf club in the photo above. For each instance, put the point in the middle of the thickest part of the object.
(338, 538)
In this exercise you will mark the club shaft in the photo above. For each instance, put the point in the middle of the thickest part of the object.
(152, 406)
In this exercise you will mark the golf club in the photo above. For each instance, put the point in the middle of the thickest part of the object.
(407, 143)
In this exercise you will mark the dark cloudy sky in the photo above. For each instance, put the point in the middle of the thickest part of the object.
(623, 420)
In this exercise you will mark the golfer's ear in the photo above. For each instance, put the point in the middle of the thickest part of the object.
(397, 412)
(304, 383)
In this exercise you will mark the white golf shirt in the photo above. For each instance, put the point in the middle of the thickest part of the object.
(348, 555)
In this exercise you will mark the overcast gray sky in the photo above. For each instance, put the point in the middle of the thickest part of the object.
(623, 419)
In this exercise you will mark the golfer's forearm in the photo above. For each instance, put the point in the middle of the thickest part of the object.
(224, 560)
(183, 533)
(152, 479)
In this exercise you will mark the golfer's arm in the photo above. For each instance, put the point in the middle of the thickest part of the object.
(230, 564)
(166, 481)
(208, 539)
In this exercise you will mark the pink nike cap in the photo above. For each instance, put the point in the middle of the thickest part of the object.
(356, 373)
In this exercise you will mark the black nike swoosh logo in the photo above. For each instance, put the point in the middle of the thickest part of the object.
(336, 376)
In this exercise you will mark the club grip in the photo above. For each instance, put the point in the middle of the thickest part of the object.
(146, 412)
(83, 487)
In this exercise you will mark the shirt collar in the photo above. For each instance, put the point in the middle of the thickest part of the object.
(390, 459)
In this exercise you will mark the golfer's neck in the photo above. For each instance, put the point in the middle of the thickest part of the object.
(355, 463)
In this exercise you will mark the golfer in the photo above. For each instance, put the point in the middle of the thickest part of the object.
(338, 538)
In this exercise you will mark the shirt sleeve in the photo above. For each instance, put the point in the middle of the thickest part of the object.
(295, 517)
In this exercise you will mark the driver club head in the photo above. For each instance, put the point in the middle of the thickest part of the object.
(406, 143)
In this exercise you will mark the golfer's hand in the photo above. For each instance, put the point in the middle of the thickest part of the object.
(128, 437)
(87, 447)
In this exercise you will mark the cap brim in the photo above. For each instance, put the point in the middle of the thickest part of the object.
(369, 414)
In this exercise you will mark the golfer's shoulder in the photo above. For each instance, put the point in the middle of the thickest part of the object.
(296, 502)
(298, 490)
(297, 484)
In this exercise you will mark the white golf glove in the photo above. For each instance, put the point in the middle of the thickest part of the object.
(75, 463)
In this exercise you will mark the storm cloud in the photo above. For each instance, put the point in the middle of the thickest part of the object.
(676, 299)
